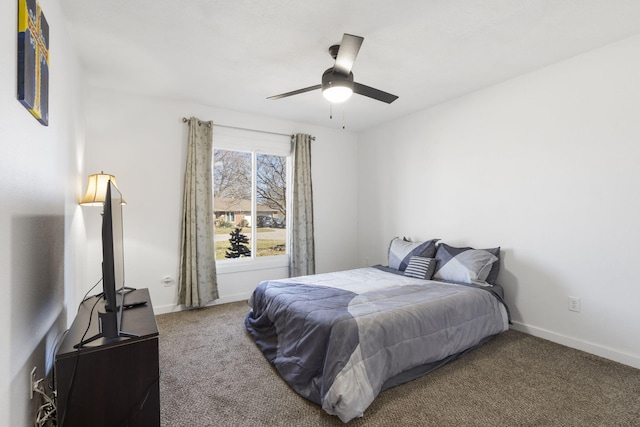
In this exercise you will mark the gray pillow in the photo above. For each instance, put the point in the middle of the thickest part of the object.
(465, 265)
(420, 267)
(401, 251)
(495, 268)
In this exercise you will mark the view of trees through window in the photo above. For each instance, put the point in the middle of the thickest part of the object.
(239, 179)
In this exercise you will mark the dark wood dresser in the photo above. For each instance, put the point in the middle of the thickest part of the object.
(110, 382)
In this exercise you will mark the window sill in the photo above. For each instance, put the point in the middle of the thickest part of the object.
(243, 265)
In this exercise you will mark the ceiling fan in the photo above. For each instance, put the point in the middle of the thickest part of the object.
(337, 82)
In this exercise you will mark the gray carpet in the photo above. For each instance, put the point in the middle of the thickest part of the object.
(212, 374)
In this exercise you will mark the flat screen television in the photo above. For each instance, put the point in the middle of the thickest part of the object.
(114, 290)
(113, 259)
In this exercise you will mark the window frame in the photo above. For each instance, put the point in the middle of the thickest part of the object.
(246, 142)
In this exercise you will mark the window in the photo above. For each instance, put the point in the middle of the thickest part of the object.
(250, 193)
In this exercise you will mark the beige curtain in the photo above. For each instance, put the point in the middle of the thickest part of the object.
(303, 259)
(198, 282)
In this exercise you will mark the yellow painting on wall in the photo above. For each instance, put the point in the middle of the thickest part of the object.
(33, 60)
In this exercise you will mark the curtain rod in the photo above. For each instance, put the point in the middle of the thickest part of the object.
(185, 120)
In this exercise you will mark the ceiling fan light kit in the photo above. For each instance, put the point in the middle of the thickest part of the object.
(337, 82)
(336, 88)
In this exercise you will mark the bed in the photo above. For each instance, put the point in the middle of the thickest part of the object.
(339, 339)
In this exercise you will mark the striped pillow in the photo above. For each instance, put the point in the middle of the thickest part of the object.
(420, 267)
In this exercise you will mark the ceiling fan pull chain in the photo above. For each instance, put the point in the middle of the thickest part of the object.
(343, 117)
(330, 111)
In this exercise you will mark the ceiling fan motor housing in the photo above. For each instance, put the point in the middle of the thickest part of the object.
(331, 79)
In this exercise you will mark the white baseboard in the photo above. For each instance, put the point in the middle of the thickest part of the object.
(172, 308)
(598, 350)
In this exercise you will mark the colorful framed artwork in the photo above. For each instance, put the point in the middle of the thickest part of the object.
(33, 60)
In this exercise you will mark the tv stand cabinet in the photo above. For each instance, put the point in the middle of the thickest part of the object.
(110, 382)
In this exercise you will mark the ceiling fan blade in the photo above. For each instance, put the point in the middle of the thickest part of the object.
(349, 48)
(295, 92)
(373, 93)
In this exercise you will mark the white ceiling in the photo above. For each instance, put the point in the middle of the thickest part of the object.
(235, 53)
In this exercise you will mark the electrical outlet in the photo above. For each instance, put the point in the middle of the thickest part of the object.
(33, 382)
(574, 304)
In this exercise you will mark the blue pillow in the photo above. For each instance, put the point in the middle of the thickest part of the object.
(401, 251)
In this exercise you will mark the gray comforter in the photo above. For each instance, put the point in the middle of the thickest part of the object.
(340, 338)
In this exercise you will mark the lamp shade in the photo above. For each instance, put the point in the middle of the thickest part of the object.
(97, 189)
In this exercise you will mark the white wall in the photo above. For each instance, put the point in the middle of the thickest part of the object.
(545, 166)
(142, 141)
(40, 221)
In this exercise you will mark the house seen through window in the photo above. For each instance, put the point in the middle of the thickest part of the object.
(250, 194)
